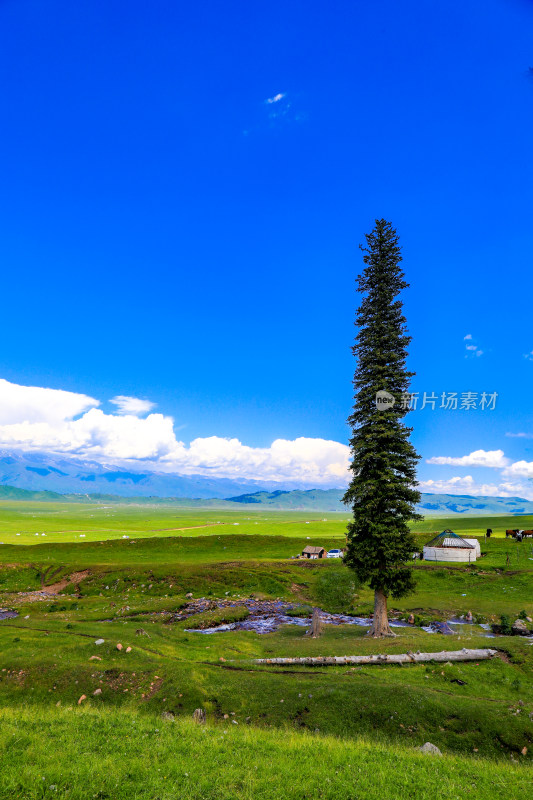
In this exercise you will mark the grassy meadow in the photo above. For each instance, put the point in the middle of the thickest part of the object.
(80, 719)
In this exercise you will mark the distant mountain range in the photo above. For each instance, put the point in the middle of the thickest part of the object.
(312, 500)
(39, 476)
(431, 505)
(40, 471)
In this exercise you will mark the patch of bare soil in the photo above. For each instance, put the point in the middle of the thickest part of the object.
(74, 577)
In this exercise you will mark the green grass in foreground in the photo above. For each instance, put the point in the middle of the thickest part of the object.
(123, 755)
(116, 744)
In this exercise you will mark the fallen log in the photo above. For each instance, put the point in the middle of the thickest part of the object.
(391, 658)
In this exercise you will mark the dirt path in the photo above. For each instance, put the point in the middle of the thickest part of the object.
(189, 528)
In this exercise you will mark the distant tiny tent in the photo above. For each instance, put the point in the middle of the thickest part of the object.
(447, 546)
(313, 552)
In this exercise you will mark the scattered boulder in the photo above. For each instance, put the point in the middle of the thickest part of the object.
(441, 627)
(411, 619)
(430, 748)
(82, 698)
(100, 641)
(168, 715)
(119, 646)
(128, 649)
(97, 692)
(199, 716)
(523, 751)
(95, 658)
(519, 628)
(469, 617)
(189, 595)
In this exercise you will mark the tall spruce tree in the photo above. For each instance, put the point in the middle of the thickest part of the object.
(382, 491)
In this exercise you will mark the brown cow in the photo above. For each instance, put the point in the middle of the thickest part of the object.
(511, 533)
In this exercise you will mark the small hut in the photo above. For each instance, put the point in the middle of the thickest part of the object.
(448, 546)
(313, 552)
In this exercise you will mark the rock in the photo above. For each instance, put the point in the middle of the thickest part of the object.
(167, 715)
(199, 716)
(189, 595)
(100, 641)
(528, 619)
(411, 619)
(221, 658)
(441, 627)
(119, 646)
(95, 658)
(430, 748)
(523, 751)
(469, 617)
(97, 692)
(128, 649)
(519, 628)
(82, 698)
(225, 716)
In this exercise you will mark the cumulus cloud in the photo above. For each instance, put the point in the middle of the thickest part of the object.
(478, 458)
(33, 404)
(50, 420)
(520, 435)
(529, 356)
(468, 336)
(306, 460)
(276, 98)
(132, 405)
(519, 468)
(467, 485)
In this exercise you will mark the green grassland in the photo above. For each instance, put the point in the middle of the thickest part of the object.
(298, 732)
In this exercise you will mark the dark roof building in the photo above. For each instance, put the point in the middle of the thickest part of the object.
(313, 552)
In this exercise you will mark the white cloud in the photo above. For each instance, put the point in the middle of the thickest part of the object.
(276, 98)
(478, 458)
(32, 404)
(471, 346)
(468, 336)
(529, 356)
(519, 468)
(307, 460)
(49, 420)
(132, 405)
(520, 435)
(467, 485)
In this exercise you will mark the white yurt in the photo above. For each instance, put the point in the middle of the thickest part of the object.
(447, 546)
(475, 543)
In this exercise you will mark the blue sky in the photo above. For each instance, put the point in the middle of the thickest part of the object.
(167, 233)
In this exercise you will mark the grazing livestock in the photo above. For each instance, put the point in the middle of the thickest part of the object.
(519, 534)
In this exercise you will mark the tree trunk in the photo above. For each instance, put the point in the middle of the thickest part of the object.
(380, 623)
(390, 658)
(316, 625)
